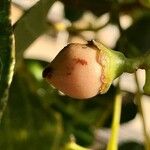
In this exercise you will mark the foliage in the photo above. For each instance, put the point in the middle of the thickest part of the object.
(36, 116)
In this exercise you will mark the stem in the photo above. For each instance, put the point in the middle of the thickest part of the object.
(142, 62)
(113, 141)
(139, 104)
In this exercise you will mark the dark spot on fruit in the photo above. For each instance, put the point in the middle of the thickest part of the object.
(68, 73)
(69, 69)
(80, 61)
(47, 72)
(84, 47)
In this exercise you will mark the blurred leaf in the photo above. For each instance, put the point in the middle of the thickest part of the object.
(135, 40)
(35, 68)
(28, 124)
(131, 145)
(75, 8)
(129, 108)
(31, 25)
(128, 111)
(37, 117)
(7, 53)
(145, 3)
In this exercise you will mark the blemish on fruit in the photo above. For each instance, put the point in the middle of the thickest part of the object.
(68, 73)
(84, 47)
(80, 61)
(69, 70)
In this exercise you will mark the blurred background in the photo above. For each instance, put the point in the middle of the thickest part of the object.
(40, 117)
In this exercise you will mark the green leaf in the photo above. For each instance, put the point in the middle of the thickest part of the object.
(135, 40)
(74, 10)
(131, 145)
(7, 53)
(32, 24)
(128, 111)
(28, 122)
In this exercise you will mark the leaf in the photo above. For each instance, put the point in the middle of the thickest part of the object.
(7, 54)
(28, 123)
(131, 145)
(128, 111)
(135, 40)
(74, 9)
(32, 24)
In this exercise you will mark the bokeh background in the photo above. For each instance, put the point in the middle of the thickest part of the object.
(40, 117)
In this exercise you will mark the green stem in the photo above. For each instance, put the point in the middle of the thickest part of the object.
(113, 141)
(139, 104)
(132, 64)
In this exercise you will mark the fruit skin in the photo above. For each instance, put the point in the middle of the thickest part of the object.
(84, 70)
(75, 71)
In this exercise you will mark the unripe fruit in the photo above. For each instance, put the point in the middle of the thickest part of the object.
(82, 70)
